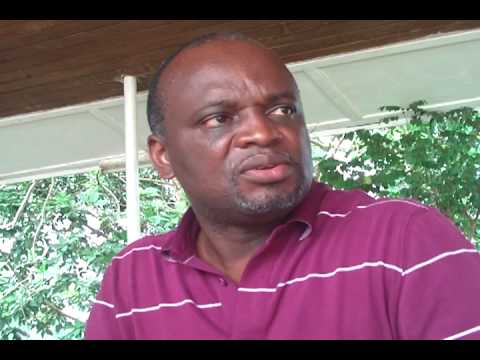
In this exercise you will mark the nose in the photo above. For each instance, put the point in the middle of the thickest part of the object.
(257, 129)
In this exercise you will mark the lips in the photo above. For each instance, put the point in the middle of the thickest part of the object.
(266, 168)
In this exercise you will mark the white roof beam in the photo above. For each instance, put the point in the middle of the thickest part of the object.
(331, 91)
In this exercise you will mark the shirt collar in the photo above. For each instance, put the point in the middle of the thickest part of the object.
(307, 210)
(182, 245)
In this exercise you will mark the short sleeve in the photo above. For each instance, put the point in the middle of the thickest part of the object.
(102, 323)
(440, 290)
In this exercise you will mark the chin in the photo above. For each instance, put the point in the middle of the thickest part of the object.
(271, 198)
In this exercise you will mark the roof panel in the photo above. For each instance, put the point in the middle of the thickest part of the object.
(439, 74)
(316, 106)
(52, 63)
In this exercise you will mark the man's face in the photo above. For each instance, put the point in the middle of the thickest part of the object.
(235, 134)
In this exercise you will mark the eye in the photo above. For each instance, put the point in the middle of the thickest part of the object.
(284, 110)
(215, 121)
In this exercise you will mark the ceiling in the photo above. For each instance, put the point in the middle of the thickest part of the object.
(46, 64)
(61, 106)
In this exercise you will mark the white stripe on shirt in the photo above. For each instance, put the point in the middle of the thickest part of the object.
(463, 333)
(401, 271)
(167, 305)
(138, 249)
(323, 212)
(323, 275)
(436, 258)
(111, 306)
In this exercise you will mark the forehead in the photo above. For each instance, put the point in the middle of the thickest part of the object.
(232, 69)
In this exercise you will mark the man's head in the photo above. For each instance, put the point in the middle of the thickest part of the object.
(155, 103)
(227, 122)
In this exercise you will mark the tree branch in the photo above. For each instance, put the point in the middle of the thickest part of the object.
(108, 191)
(58, 309)
(14, 288)
(476, 223)
(96, 231)
(472, 221)
(338, 146)
(20, 209)
(119, 178)
(90, 213)
(158, 182)
(63, 311)
(23, 333)
(436, 193)
(42, 216)
(321, 146)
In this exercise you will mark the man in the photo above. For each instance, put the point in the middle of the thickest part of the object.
(264, 252)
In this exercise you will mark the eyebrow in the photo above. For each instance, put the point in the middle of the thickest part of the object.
(281, 96)
(217, 103)
(270, 99)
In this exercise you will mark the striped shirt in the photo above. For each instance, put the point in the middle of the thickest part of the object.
(344, 266)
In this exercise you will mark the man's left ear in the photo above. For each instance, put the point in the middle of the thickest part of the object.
(159, 156)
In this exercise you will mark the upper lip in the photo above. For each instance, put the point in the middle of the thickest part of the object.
(263, 161)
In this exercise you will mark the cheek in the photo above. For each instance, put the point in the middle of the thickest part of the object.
(305, 142)
(197, 158)
(299, 141)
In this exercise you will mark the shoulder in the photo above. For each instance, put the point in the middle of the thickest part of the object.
(431, 236)
(139, 255)
(403, 231)
(146, 243)
(357, 202)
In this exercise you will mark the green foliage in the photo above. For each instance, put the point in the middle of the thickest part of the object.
(55, 252)
(434, 158)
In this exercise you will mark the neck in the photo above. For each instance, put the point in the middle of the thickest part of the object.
(229, 248)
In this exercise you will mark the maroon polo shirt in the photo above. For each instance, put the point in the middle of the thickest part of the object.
(344, 266)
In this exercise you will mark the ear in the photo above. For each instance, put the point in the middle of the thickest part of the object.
(159, 156)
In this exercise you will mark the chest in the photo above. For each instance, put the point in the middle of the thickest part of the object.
(300, 296)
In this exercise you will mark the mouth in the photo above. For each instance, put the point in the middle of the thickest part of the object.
(266, 168)
(268, 175)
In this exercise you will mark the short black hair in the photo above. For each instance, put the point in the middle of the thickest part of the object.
(155, 103)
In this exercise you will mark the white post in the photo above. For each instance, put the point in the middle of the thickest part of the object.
(131, 159)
